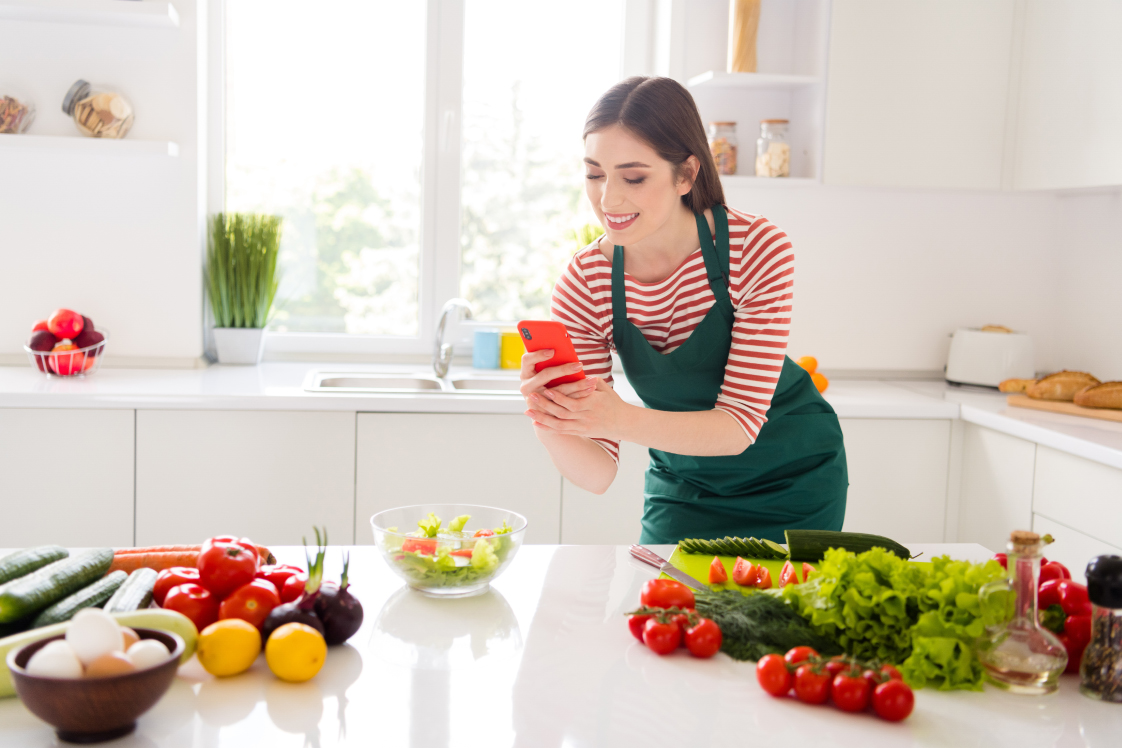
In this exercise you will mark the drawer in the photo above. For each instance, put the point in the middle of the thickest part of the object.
(1072, 548)
(1080, 494)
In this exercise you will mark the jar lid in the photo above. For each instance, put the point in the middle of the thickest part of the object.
(720, 124)
(1104, 581)
(77, 92)
(773, 121)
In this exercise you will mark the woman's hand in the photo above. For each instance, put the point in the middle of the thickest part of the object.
(534, 382)
(599, 413)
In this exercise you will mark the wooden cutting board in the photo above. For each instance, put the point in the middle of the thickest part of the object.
(1071, 409)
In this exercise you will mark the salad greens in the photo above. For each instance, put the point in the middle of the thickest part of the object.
(453, 557)
(923, 616)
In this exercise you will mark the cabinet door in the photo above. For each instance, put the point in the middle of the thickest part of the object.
(611, 518)
(456, 458)
(267, 475)
(917, 92)
(996, 495)
(1079, 493)
(897, 477)
(66, 477)
(1071, 548)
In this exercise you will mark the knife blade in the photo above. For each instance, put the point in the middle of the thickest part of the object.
(676, 573)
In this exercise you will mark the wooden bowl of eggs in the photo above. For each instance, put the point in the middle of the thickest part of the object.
(93, 682)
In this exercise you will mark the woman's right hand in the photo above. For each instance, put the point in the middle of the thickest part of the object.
(534, 382)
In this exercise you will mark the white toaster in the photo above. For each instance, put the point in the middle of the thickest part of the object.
(982, 357)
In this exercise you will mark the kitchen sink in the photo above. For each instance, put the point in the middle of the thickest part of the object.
(409, 384)
(489, 384)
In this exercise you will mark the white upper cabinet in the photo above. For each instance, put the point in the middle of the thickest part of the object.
(1069, 114)
(917, 92)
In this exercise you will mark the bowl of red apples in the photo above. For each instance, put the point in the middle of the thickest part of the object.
(66, 345)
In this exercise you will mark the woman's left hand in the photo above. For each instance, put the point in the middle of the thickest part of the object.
(600, 413)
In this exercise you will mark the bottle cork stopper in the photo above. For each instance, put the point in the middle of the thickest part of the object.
(1024, 537)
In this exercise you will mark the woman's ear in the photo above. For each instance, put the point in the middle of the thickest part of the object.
(689, 169)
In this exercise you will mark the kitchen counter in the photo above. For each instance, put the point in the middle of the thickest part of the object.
(545, 659)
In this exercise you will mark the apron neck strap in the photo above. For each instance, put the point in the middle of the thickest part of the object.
(619, 295)
(716, 257)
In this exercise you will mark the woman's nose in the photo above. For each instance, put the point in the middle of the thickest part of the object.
(612, 197)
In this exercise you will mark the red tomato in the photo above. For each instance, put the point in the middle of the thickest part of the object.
(243, 542)
(836, 666)
(1048, 594)
(464, 552)
(773, 675)
(763, 577)
(65, 359)
(635, 624)
(1003, 559)
(850, 692)
(1073, 598)
(173, 577)
(812, 687)
(744, 572)
(661, 638)
(483, 533)
(195, 602)
(796, 655)
(252, 602)
(890, 672)
(807, 568)
(665, 593)
(788, 575)
(223, 567)
(683, 622)
(718, 574)
(278, 574)
(893, 700)
(65, 324)
(424, 546)
(293, 587)
(704, 639)
(40, 325)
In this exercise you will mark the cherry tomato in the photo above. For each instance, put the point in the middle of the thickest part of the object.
(666, 593)
(704, 639)
(788, 575)
(850, 692)
(424, 546)
(1003, 559)
(796, 655)
(812, 687)
(223, 567)
(243, 542)
(293, 587)
(194, 601)
(744, 572)
(483, 533)
(836, 666)
(1048, 594)
(252, 602)
(173, 577)
(718, 574)
(1073, 598)
(890, 672)
(65, 324)
(636, 624)
(683, 622)
(661, 638)
(773, 675)
(893, 700)
(278, 574)
(763, 577)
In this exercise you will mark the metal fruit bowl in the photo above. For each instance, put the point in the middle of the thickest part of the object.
(76, 363)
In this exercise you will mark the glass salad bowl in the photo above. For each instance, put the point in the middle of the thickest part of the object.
(448, 550)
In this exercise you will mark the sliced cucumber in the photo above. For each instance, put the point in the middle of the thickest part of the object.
(776, 549)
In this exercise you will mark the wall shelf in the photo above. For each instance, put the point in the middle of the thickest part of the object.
(88, 146)
(731, 181)
(157, 13)
(720, 79)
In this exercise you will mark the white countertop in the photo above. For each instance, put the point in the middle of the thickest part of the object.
(545, 659)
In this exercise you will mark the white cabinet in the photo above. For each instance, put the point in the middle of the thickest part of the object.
(453, 458)
(917, 92)
(1071, 548)
(1083, 495)
(66, 477)
(612, 518)
(897, 477)
(267, 475)
(996, 494)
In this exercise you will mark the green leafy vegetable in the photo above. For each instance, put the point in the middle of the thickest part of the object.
(758, 623)
(504, 529)
(483, 557)
(430, 525)
(457, 525)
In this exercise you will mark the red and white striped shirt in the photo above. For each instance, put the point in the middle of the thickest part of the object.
(761, 277)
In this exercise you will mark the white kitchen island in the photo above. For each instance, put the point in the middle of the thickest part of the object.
(545, 659)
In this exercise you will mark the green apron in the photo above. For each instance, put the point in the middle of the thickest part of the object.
(793, 476)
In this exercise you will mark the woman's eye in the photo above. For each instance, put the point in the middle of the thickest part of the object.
(640, 180)
(593, 176)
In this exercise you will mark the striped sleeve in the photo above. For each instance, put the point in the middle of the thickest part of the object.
(578, 303)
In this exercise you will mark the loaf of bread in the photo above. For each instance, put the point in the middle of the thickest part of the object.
(1105, 395)
(1060, 386)
(1015, 385)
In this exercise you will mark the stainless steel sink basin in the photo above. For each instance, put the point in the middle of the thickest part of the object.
(409, 384)
(489, 384)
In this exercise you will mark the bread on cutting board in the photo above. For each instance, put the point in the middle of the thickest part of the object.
(1105, 395)
(1015, 385)
(1060, 386)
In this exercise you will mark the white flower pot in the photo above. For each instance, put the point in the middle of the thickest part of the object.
(239, 345)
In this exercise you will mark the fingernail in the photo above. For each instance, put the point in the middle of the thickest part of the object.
(549, 395)
(577, 366)
(534, 396)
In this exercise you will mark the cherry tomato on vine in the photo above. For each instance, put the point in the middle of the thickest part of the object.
(635, 624)
(773, 675)
(796, 655)
(661, 638)
(850, 692)
(812, 687)
(666, 593)
(836, 665)
(893, 700)
(704, 639)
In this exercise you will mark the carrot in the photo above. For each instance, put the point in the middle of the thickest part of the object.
(263, 553)
(130, 562)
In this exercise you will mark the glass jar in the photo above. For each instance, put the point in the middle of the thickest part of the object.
(98, 113)
(1100, 673)
(1021, 656)
(773, 154)
(16, 114)
(722, 144)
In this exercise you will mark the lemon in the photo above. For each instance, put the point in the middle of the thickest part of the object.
(295, 652)
(228, 647)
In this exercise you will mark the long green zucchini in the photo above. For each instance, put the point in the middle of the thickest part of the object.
(135, 593)
(811, 545)
(21, 563)
(31, 593)
(90, 596)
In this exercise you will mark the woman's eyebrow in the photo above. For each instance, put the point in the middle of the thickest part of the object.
(628, 165)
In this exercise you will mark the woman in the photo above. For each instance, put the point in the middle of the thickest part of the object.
(695, 299)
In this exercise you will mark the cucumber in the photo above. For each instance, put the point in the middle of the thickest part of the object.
(756, 549)
(20, 563)
(777, 551)
(134, 594)
(811, 545)
(153, 618)
(91, 596)
(35, 591)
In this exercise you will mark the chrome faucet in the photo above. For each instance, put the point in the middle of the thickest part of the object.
(442, 352)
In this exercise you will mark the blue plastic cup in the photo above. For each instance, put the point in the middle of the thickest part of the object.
(485, 349)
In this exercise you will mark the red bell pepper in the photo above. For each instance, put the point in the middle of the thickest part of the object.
(1073, 598)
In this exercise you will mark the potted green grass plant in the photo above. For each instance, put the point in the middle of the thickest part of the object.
(241, 281)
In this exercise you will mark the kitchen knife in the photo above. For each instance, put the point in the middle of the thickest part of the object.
(648, 556)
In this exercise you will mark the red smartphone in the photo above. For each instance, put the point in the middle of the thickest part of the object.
(542, 334)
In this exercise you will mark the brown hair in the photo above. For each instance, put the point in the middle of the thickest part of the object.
(662, 112)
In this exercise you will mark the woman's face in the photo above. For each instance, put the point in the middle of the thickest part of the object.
(631, 188)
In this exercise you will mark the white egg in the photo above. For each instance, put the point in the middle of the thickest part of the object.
(148, 653)
(93, 633)
(56, 660)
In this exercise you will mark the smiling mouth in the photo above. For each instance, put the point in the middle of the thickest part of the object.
(620, 220)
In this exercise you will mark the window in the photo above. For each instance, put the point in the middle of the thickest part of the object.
(338, 118)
